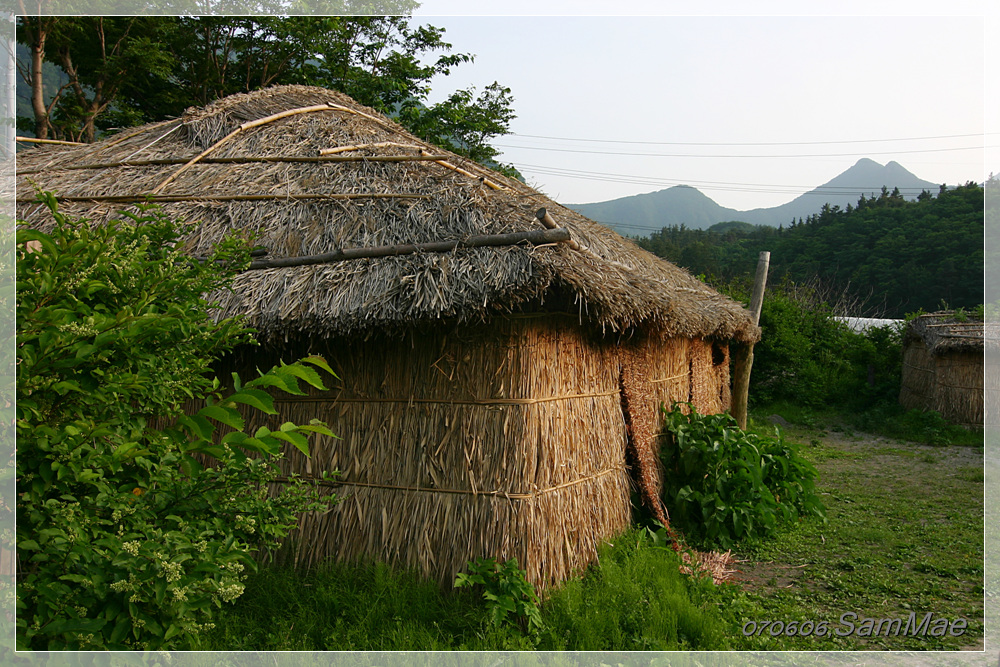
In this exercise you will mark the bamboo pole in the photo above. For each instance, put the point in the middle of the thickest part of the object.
(533, 237)
(32, 140)
(487, 182)
(245, 160)
(743, 355)
(245, 126)
(546, 219)
(358, 147)
(160, 199)
(549, 222)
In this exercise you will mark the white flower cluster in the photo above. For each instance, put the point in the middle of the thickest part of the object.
(117, 515)
(172, 571)
(121, 586)
(81, 329)
(231, 591)
(132, 548)
(248, 524)
(79, 277)
(234, 566)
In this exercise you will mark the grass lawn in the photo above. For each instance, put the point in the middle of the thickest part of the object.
(904, 533)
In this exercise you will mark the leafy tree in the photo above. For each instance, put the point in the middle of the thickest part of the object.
(134, 519)
(128, 70)
(105, 58)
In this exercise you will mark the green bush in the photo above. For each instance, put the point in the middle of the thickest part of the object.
(722, 485)
(124, 539)
(807, 357)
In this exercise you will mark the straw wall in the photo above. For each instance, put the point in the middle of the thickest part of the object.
(950, 383)
(504, 440)
(659, 372)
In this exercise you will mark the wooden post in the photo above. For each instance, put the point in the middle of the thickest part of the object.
(743, 354)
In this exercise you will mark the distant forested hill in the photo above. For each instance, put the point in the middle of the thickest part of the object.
(895, 255)
(682, 204)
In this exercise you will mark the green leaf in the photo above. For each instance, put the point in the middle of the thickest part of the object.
(306, 374)
(286, 383)
(160, 590)
(320, 362)
(228, 416)
(255, 398)
(121, 628)
(298, 440)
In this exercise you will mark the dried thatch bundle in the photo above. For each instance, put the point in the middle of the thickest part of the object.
(490, 398)
(383, 187)
(943, 367)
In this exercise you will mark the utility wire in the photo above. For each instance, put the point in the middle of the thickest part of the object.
(764, 143)
(705, 185)
(695, 155)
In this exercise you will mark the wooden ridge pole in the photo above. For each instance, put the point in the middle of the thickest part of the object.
(535, 237)
(743, 354)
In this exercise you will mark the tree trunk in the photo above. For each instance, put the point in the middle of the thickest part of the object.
(37, 92)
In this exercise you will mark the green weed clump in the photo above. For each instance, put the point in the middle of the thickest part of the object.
(723, 485)
(509, 597)
(358, 607)
(634, 598)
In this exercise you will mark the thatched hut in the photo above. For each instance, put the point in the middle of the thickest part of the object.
(492, 400)
(943, 367)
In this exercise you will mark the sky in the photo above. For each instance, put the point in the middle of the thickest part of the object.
(751, 110)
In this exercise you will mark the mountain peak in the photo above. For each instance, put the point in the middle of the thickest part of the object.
(683, 204)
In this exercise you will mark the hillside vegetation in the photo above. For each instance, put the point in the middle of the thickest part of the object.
(887, 255)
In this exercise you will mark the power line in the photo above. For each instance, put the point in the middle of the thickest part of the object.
(763, 143)
(705, 185)
(687, 155)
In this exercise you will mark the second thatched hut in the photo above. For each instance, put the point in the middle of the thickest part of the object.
(493, 401)
(943, 367)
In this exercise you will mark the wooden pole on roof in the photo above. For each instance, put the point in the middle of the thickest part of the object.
(743, 355)
(533, 237)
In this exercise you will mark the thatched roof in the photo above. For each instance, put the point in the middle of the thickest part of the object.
(382, 187)
(942, 332)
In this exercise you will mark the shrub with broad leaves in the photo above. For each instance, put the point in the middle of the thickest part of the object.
(135, 520)
(722, 484)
